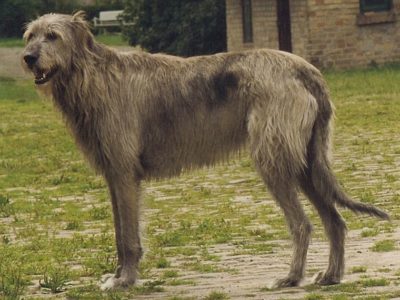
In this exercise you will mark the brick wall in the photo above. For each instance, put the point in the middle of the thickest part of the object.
(337, 40)
(300, 34)
(325, 32)
(265, 32)
(264, 25)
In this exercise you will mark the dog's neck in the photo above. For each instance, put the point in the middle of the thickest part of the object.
(71, 89)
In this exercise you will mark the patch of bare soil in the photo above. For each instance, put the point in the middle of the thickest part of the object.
(10, 63)
(253, 273)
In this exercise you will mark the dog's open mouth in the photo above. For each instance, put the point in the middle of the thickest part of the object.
(44, 76)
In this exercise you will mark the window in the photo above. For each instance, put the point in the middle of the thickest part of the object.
(247, 21)
(376, 12)
(375, 5)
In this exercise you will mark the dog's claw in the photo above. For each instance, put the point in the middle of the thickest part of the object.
(286, 282)
(325, 279)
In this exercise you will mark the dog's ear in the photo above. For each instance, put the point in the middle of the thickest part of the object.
(82, 29)
(80, 16)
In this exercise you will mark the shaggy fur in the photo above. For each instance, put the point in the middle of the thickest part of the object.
(143, 116)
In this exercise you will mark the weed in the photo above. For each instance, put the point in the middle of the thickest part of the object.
(367, 196)
(73, 225)
(202, 268)
(55, 279)
(6, 208)
(358, 269)
(162, 263)
(374, 282)
(214, 295)
(340, 297)
(369, 232)
(314, 296)
(100, 213)
(176, 281)
(170, 274)
(12, 283)
(350, 287)
(384, 246)
(261, 235)
(385, 270)
(149, 287)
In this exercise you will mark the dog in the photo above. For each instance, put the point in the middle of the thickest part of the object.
(138, 116)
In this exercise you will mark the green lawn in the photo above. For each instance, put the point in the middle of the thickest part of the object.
(11, 42)
(111, 39)
(56, 233)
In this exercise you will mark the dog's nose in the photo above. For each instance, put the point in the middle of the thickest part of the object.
(30, 59)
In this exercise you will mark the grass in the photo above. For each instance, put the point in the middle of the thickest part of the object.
(384, 246)
(214, 295)
(11, 42)
(110, 39)
(55, 279)
(359, 269)
(56, 232)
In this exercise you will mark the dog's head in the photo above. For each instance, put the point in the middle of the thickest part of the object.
(52, 42)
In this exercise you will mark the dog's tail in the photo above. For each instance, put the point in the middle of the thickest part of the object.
(318, 164)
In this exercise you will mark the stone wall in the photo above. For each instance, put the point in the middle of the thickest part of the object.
(328, 33)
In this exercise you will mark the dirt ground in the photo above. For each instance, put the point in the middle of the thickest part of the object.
(255, 272)
(259, 271)
(10, 65)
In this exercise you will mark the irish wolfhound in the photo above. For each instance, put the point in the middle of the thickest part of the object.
(140, 116)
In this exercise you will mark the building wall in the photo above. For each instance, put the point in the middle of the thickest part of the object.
(325, 32)
(264, 25)
(300, 30)
(265, 31)
(337, 40)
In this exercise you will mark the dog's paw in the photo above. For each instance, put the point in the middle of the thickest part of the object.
(107, 282)
(286, 282)
(105, 277)
(111, 282)
(322, 278)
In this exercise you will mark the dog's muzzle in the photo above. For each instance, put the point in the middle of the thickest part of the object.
(41, 76)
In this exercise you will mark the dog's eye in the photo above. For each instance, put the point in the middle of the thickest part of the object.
(51, 36)
(30, 36)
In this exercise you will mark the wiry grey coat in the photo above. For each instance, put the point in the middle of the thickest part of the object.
(140, 116)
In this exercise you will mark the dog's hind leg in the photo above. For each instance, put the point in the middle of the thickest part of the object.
(284, 191)
(278, 131)
(125, 193)
(335, 229)
(283, 187)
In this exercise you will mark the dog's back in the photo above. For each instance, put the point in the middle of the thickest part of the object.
(197, 111)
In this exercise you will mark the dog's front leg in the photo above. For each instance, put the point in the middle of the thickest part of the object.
(117, 227)
(125, 197)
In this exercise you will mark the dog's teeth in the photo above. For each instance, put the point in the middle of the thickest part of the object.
(44, 76)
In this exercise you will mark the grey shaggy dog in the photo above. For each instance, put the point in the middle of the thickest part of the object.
(140, 116)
